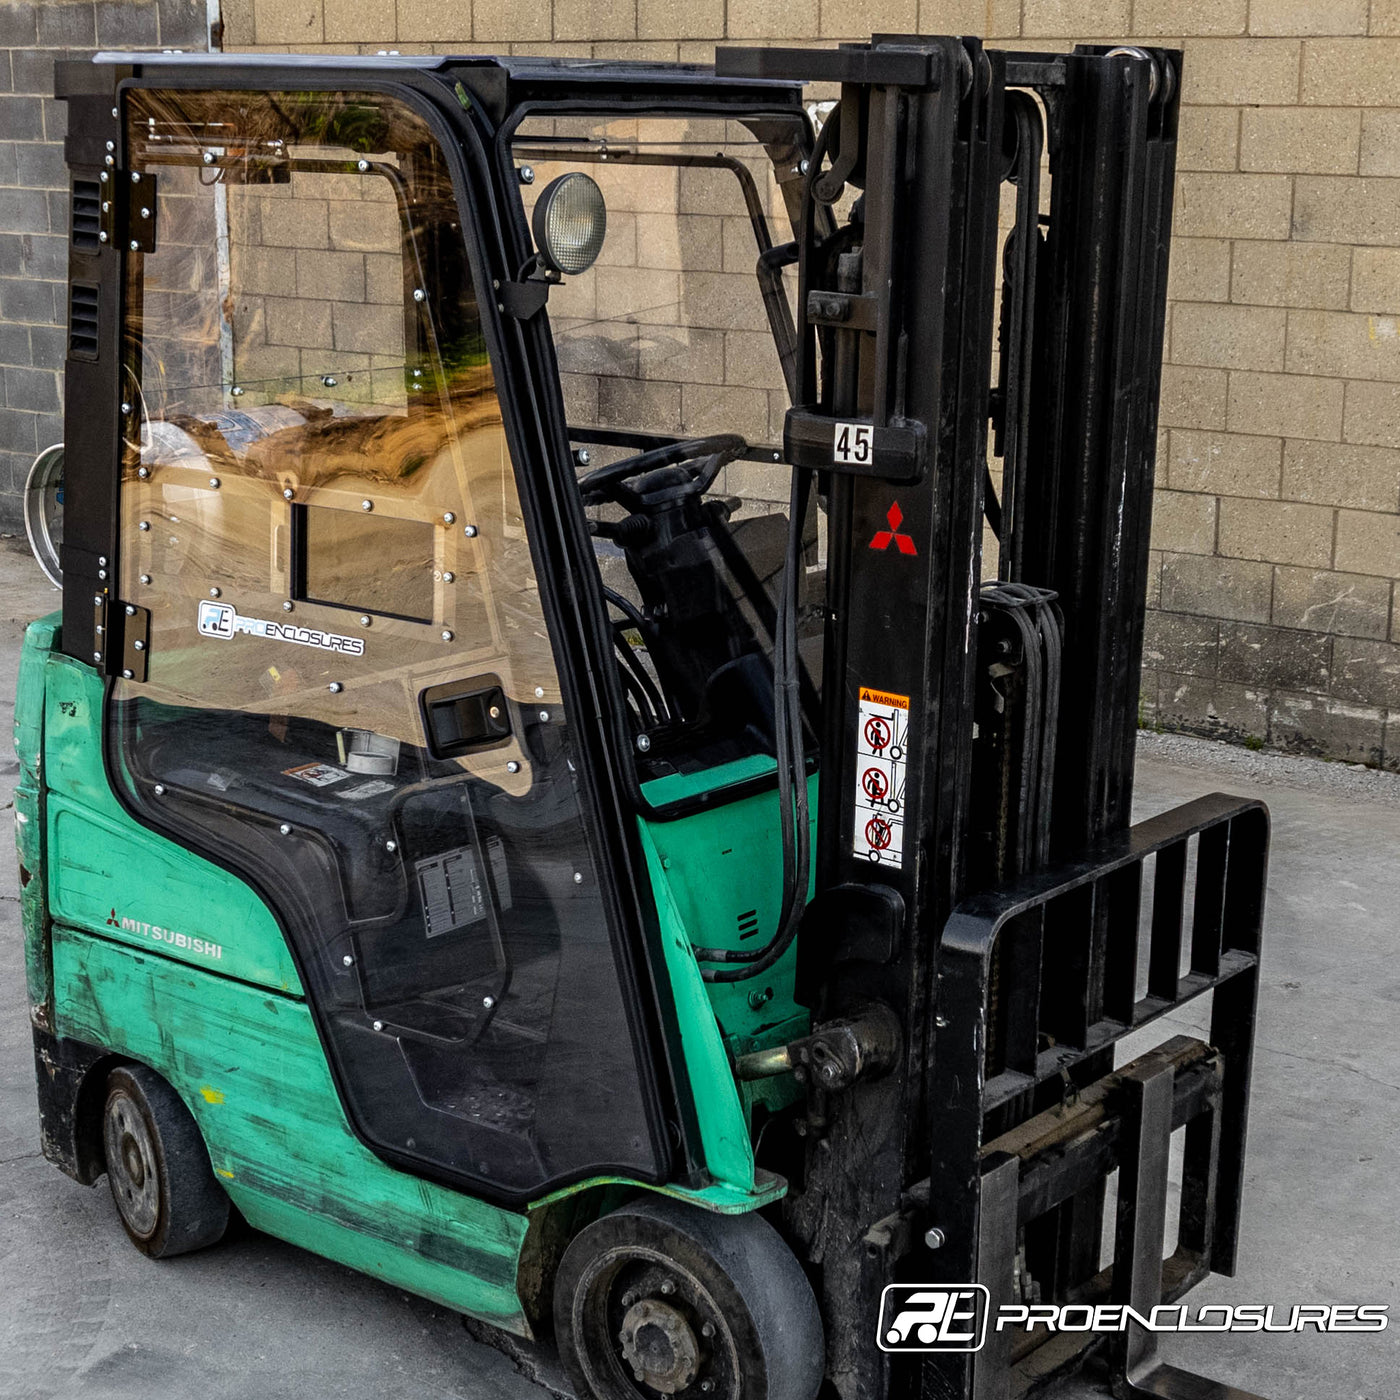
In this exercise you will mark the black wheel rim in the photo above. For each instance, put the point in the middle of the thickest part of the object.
(648, 1329)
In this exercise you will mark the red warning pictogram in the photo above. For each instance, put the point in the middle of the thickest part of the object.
(877, 734)
(877, 833)
(876, 783)
(885, 538)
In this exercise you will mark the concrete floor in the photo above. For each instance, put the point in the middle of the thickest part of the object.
(83, 1314)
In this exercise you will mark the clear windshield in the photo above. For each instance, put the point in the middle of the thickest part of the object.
(682, 331)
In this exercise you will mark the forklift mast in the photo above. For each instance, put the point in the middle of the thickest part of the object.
(977, 732)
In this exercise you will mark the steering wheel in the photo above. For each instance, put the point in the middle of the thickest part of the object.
(698, 461)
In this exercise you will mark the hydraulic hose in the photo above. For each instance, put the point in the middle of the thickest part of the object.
(790, 751)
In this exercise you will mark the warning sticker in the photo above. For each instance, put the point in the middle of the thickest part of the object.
(881, 757)
(376, 787)
(317, 774)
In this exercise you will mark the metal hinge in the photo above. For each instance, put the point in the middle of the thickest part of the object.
(120, 630)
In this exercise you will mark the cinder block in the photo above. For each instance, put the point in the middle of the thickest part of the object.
(1337, 474)
(184, 24)
(1180, 642)
(300, 223)
(331, 276)
(992, 19)
(1291, 405)
(1347, 209)
(1173, 18)
(1368, 543)
(1200, 270)
(19, 25)
(1367, 672)
(1319, 140)
(291, 22)
(358, 225)
(1344, 343)
(1234, 589)
(1373, 414)
(1295, 17)
(1234, 206)
(1227, 336)
(1380, 143)
(859, 19)
(24, 118)
(629, 403)
(766, 19)
(1350, 72)
(18, 434)
(428, 21)
(1275, 657)
(30, 302)
(63, 26)
(1291, 274)
(1283, 532)
(1192, 397)
(710, 408)
(32, 70)
(305, 324)
(40, 165)
(595, 19)
(680, 19)
(1212, 708)
(1322, 728)
(372, 330)
(122, 24)
(1321, 600)
(1183, 522)
(1224, 463)
(751, 359)
(501, 21)
(683, 356)
(1209, 139)
(1082, 19)
(35, 390)
(1243, 72)
(1375, 279)
(374, 21)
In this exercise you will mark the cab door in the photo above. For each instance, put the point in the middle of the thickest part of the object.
(350, 693)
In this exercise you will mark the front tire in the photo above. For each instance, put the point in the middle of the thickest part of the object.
(158, 1168)
(661, 1298)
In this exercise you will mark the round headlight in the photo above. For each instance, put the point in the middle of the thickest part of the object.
(570, 222)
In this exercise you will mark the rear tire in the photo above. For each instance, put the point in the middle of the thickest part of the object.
(661, 1298)
(158, 1168)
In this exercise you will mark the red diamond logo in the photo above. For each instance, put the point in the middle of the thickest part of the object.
(885, 538)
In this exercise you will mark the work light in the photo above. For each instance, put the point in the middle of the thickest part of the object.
(570, 222)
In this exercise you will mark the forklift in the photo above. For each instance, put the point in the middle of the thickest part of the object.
(585, 765)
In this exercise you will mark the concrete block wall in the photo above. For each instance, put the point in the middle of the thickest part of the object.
(1277, 537)
(34, 200)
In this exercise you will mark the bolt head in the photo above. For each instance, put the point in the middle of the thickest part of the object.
(512, 767)
(143, 472)
(97, 599)
(668, 1286)
(102, 574)
(237, 391)
(144, 525)
(287, 607)
(159, 789)
(366, 505)
(126, 408)
(145, 213)
(214, 482)
(128, 673)
(446, 635)
(97, 656)
(448, 517)
(285, 829)
(287, 493)
(139, 645)
(347, 961)
(527, 175)
(584, 456)
(707, 1330)
(102, 236)
(469, 531)
(934, 1237)
(539, 692)
(419, 294)
(362, 165)
(134, 246)
(146, 579)
(130, 610)
(488, 1002)
(335, 687)
(578, 877)
(364, 621)
(448, 576)
(544, 716)
(391, 845)
(214, 592)
(379, 1025)
(643, 743)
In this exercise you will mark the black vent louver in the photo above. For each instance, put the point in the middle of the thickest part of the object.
(82, 321)
(87, 214)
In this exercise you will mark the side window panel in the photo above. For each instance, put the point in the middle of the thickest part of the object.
(351, 691)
